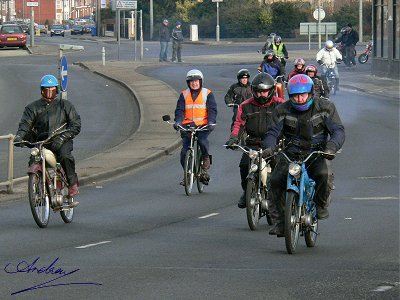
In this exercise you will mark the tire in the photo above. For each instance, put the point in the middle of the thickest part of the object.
(363, 58)
(292, 222)
(68, 214)
(197, 167)
(252, 207)
(39, 203)
(189, 172)
(311, 234)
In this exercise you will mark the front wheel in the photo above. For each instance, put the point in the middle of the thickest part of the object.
(252, 205)
(38, 199)
(199, 171)
(67, 214)
(292, 221)
(363, 58)
(311, 234)
(189, 172)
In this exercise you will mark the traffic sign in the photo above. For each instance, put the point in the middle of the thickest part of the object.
(321, 14)
(63, 73)
(125, 4)
(32, 3)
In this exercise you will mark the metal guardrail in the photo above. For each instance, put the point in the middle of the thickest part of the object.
(10, 177)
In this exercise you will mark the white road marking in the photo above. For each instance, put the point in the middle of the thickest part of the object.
(377, 177)
(376, 198)
(348, 218)
(91, 245)
(383, 288)
(210, 215)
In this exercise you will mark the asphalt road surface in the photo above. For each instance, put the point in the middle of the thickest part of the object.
(139, 236)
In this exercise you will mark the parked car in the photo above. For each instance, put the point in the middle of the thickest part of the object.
(57, 30)
(12, 35)
(25, 27)
(77, 29)
(42, 28)
(87, 28)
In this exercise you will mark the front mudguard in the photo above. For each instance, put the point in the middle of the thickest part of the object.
(34, 168)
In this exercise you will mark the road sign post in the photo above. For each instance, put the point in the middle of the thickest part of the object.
(63, 68)
(217, 27)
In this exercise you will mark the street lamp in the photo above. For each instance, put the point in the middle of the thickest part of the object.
(360, 30)
(217, 27)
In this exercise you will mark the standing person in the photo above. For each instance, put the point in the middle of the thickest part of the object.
(239, 91)
(307, 124)
(321, 88)
(299, 68)
(164, 39)
(280, 50)
(177, 39)
(42, 117)
(252, 117)
(328, 57)
(196, 106)
(349, 39)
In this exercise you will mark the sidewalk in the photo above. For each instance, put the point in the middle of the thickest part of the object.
(154, 138)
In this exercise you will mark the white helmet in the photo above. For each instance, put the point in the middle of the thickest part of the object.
(329, 45)
(194, 75)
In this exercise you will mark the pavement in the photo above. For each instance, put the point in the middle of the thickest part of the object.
(154, 138)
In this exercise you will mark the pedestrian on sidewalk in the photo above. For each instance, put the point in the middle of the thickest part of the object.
(164, 39)
(177, 39)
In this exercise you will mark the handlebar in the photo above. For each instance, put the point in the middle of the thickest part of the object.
(308, 157)
(250, 152)
(56, 132)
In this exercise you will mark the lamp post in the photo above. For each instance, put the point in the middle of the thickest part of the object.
(360, 24)
(151, 20)
(217, 27)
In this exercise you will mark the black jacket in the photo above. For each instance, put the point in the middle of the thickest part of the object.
(321, 87)
(237, 93)
(348, 39)
(306, 131)
(164, 33)
(40, 118)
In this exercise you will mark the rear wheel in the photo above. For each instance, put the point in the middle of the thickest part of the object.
(363, 58)
(311, 234)
(292, 222)
(38, 201)
(197, 167)
(188, 172)
(252, 206)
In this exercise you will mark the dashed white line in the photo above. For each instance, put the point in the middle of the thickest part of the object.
(383, 288)
(376, 198)
(377, 177)
(210, 215)
(92, 245)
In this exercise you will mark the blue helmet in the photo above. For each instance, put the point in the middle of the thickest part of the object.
(300, 84)
(48, 81)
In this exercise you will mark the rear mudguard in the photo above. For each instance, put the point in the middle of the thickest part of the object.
(34, 168)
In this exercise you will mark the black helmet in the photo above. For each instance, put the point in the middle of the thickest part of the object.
(263, 82)
(271, 53)
(277, 39)
(243, 73)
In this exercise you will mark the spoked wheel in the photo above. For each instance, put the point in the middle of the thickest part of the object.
(197, 167)
(252, 205)
(67, 214)
(267, 212)
(39, 202)
(292, 222)
(189, 172)
(311, 234)
(363, 58)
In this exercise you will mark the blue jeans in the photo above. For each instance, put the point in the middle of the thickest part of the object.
(164, 51)
(325, 69)
(202, 139)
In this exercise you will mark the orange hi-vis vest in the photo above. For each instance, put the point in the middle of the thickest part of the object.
(196, 111)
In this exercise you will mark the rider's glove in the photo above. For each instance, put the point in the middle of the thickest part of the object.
(330, 150)
(233, 140)
(268, 152)
(338, 60)
(57, 143)
(320, 62)
(176, 126)
(18, 141)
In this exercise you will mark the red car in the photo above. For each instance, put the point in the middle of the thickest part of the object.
(12, 35)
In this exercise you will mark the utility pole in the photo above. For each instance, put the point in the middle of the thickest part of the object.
(360, 22)
(151, 20)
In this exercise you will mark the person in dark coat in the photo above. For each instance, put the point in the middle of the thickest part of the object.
(164, 40)
(349, 39)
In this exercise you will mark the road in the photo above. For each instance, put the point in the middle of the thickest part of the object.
(140, 237)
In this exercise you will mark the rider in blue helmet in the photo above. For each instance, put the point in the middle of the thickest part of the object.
(42, 117)
(301, 91)
(306, 124)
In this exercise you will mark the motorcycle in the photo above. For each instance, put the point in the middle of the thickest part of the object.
(47, 183)
(331, 79)
(256, 189)
(300, 209)
(363, 58)
(341, 49)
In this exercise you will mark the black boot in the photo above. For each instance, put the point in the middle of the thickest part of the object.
(278, 229)
(242, 201)
(322, 213)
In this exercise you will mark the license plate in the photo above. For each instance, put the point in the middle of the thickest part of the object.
(11, 39)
